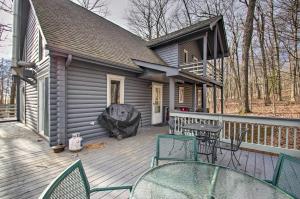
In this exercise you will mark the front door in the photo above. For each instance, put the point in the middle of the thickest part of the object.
(157, 90)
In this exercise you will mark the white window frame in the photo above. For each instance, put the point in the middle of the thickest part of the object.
(110, 78)
(181, 90)
(199, 97)
(195, 59)
(186, 56)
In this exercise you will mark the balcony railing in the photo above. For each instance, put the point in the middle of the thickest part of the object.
(7, 112)
(275, 135)
(197, 68)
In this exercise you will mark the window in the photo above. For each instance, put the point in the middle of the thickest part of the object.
(181, 95)
(195, 59)
(41, 48)
(186, 56)
(199, 93)
(115, 89)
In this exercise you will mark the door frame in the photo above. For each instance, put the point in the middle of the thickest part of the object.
(42, 110)
(154, 84)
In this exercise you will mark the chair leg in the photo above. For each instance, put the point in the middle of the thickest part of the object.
(231, 159)
(236, 159)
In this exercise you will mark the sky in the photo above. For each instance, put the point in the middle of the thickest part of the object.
(117, 14)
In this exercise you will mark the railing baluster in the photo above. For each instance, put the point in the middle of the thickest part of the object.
(234, 130)
(252, 133)
(246, 137)
(265, 135)
(229, 129)
(175, 125)
(287, 137)
(258, 134)
(295, 138)
(272, 136)
(279, 137)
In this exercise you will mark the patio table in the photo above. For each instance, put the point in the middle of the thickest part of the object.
(205, 133)
(201, 180)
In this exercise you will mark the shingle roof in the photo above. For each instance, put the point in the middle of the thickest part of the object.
(70, 27)
(176, 34)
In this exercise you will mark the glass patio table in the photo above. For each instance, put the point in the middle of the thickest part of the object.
(200, 180)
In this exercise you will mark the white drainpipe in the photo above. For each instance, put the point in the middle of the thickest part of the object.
(16, 49)
(16, 33)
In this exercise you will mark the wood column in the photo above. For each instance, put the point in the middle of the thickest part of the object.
(222, 88)
(215, 67)
(171, 94)
(195, 102)
(204, 88)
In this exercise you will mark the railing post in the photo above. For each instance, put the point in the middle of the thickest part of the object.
(171, 94)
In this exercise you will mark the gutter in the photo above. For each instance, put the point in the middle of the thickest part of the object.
(54, 51)
(178, 37)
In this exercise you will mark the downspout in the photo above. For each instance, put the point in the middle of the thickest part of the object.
(16, 51)
(16, 33)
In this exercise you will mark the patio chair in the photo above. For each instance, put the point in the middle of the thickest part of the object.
(171, 124)
(175, 148)
(233, 146)
(73, 183)
(287, 175)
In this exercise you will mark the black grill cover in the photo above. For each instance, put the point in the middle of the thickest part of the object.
(121, 120)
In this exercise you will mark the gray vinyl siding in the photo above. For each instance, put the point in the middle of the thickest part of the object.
(188, 96)
(86, 97)
(53, 103)
(193, 50)
(169, 54)
(31, 55)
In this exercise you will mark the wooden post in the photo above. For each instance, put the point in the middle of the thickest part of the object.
(215, 98)
(204, 89)
(215, 67)
(171, 94)
(195, 97)
(222, 88)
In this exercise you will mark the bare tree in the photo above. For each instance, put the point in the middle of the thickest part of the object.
(97, 6)
(149, 18)
(5, 29)
(247, 37)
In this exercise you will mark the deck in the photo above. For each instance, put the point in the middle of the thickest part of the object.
(28, 165)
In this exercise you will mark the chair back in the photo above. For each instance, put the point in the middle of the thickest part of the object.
(287, 175)
(71, 183)
(176, 147)
(240, 138)
(171, 123)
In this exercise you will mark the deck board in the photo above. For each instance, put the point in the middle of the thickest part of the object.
(27, 166)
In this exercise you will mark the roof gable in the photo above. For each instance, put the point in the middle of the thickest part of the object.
(67, 26)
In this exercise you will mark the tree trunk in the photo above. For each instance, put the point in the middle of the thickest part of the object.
(247, 37)
(13, 91)
(261, 35)
(255, 75)
(276, 45)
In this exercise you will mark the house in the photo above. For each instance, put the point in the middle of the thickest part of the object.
(71, 64)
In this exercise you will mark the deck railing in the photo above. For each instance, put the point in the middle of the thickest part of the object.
(275, 135)
(7, 112)
(197, 68)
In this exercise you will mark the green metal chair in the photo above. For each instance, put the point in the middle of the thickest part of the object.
(73, 183)
(287, 175)
(175, 148)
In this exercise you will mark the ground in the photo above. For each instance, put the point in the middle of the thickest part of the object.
(28, 165)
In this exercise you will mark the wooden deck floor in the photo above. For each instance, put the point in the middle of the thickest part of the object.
(27, 165)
